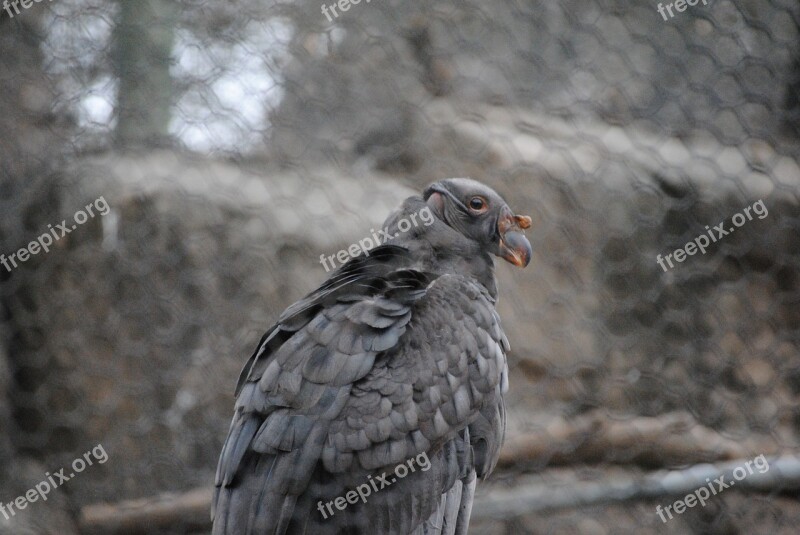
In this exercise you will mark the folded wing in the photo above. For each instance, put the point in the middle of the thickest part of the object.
(381, 365)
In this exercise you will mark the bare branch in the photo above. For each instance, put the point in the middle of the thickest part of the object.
(667, 440)
(188, 510)
(783, 473)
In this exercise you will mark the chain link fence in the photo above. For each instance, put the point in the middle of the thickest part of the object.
(654, 335)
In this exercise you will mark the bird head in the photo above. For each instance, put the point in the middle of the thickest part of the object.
(479, 213)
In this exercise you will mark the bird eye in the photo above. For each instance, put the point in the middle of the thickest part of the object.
(477, 204)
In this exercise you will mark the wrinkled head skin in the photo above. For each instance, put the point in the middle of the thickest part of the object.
(465, 223)
(478, 212)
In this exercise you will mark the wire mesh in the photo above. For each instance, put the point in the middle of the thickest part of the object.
(236, 142)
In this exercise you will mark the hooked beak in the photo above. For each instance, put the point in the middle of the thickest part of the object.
(514, 246)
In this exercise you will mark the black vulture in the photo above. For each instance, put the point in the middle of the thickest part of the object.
(375, 403)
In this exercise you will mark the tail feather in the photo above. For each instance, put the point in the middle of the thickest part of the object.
(434, 524)
(452, 509)
(287, 512)
(465, 510)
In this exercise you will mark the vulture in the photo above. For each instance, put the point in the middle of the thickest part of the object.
(374, 404)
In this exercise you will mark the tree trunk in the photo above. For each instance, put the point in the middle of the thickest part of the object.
(143, 40)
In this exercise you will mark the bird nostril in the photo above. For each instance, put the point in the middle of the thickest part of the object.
(509, 221)
(523, 221)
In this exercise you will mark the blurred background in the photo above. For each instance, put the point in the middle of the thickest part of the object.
(235, 142)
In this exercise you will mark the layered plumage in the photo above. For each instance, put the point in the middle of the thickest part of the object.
(398, 359)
